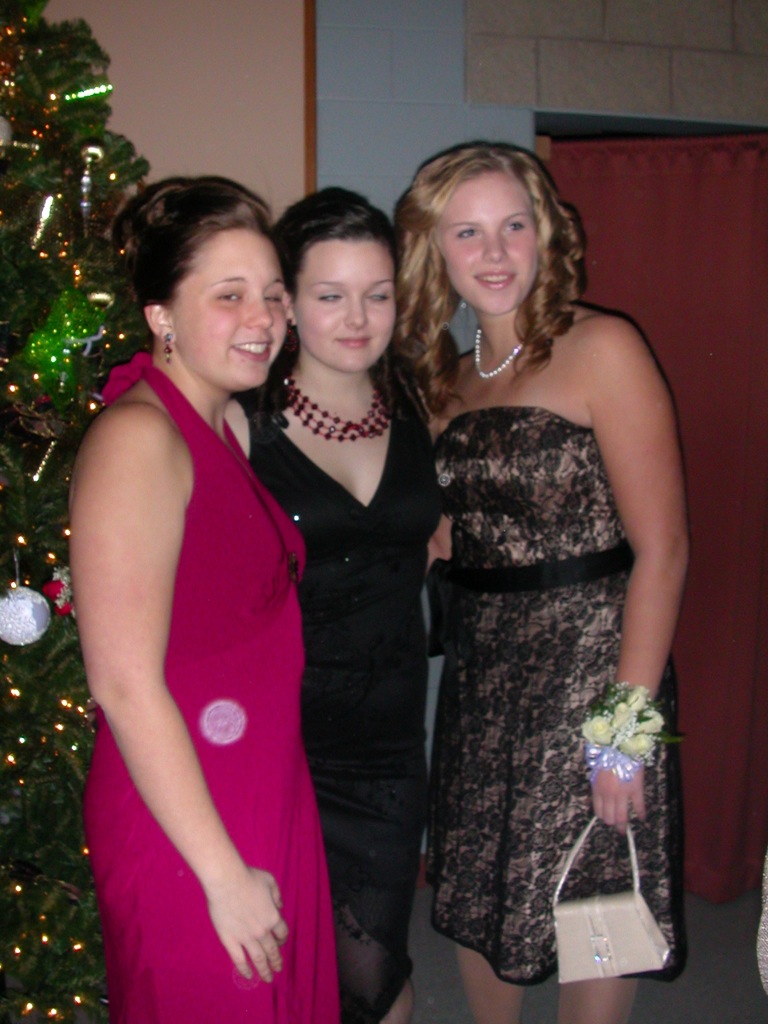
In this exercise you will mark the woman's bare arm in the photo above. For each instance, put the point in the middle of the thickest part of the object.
(132, 482)
(634, 423)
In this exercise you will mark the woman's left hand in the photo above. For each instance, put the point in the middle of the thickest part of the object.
(612, 798)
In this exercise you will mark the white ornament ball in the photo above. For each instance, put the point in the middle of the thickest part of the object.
(6, 131)
(24, 616)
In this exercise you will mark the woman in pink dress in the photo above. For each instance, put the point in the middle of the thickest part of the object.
(199, 808)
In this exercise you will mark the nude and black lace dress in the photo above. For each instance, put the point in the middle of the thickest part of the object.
(510, 790)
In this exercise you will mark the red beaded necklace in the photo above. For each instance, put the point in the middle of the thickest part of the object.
(333, 428)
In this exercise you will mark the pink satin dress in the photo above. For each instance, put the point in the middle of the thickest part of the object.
(233, 665)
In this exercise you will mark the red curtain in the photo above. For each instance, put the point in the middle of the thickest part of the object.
(677, 238)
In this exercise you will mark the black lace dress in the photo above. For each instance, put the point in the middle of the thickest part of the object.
(364, 692)
(510, 789)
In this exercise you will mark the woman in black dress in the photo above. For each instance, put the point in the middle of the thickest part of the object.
(339, 438)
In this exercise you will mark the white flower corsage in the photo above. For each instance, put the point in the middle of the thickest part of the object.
(622, 730)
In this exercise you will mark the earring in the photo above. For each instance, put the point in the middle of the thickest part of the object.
(463, 305)
(291, 338)
(167, 347)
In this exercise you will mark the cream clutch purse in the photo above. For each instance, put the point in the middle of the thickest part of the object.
(606, 936)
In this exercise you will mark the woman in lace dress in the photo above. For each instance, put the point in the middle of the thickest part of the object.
(563, 495)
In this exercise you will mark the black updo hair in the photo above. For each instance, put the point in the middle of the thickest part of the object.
(332, 214)
(160, 230)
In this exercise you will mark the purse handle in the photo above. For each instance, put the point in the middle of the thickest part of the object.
(576, 850)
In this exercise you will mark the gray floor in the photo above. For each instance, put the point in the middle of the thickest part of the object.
(720, 985)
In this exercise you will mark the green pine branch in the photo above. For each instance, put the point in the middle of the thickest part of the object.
(50, 944)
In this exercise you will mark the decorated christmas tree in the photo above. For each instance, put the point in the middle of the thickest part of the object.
(65, 319)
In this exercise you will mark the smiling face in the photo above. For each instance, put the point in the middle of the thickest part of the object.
(228, 314)
(487, 237)
(344, 306)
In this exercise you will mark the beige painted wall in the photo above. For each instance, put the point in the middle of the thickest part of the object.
(203, 88)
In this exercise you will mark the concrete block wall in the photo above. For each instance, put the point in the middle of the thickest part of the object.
(695, 60)
(391, 92)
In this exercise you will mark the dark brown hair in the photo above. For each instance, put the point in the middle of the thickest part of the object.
(160, 230)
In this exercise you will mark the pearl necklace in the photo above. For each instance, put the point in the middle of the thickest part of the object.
(333, 428)
(502, 366)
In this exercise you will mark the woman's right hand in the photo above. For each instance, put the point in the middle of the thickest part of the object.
(245, 911)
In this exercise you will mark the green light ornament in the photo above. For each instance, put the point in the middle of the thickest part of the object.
(52, 349)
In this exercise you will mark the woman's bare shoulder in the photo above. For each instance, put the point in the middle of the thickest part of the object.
(132, 422)
(134, 438)
(606, 343)
(599, 327)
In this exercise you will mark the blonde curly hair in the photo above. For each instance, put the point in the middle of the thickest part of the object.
(426, 298)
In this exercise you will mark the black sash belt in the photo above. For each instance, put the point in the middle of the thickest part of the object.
(543, 575)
